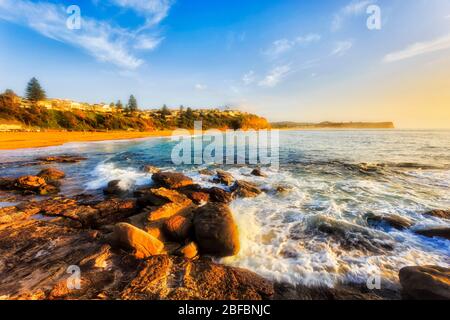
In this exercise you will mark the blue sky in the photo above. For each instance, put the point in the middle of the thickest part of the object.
(286, 60)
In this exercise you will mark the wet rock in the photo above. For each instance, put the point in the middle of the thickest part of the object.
(143, 244)
(196, 193)
(172, 180)
(394, 221)
(32, 183)
(113, 189)
(178, 228)
(223, 177)
(62, 159)
(219, 195)
(258, 173)
(206, 172)
(245, 189)
(435, 232)
(151, 169)
(425, 282)
(52, 174)
(177, 203)
(443, 214)
(189, 251)
(216, 232)
(168, 278)
(6, 183)
(48, 189)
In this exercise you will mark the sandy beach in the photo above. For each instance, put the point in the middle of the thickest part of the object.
(20, 140)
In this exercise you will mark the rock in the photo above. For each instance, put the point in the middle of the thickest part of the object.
(216, 232)
(198, 280)
(113, 188)
(62, 159)
(178, 228)
(258, 173)
(7, 183)
(151, 169)
(394, 221)
(223, 177)
(219, 195)
(425, 282)
(196, 193)
(177, 203)
(189, 251)
(52, 174)
(206, 172)
(245, 189)
(172, 180)
(443, 214)
(32, 183)
(143, 244)
(443, 232)
(48, 189)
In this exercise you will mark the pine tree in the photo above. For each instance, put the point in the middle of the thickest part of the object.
(165, 111)
(119, 105)
(34, 91)
(132, 104)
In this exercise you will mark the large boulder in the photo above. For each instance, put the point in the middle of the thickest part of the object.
(175, 203)
(245, 189)
(223, 177)
(143, 244)
(219, 195)
(196, 193)
(394, 221)
(113, 188)
(52, 174)
(216, 232)
(172, 180)
(178, 228)
(425, 282)
(442, 232)
(33, 183)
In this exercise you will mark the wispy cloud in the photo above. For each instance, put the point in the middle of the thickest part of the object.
(283, 45)
(105, 42)
(354, 8)
(420, 48)
(249, 78)
(154, 11)
(275, 76)
(341, 48)
(200, 87)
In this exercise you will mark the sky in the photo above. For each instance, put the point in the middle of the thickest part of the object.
(287, 60)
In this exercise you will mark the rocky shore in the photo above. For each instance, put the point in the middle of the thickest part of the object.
(160, 241)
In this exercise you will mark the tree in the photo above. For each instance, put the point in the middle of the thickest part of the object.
(34, 91)
(132, 104)
(189, 113)
(9, 92)
(165, 111)
(181, 109)
(119, 105)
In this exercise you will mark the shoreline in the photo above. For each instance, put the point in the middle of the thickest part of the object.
(27, 140)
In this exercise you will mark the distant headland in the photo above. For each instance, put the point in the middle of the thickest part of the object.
(333, 125)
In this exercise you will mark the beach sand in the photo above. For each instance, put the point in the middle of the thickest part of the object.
(19, 140)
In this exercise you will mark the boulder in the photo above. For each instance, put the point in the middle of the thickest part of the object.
(48, 189)
(196, 193)
(143, 244)
(113, 188)
(172, 180)
(245, 189)
(189, 251)
(216, 232)
(223, 177)
(32, 183)
(258, 173)
(176, 203)
(442, 232)
(206, 172)
(394, 221)
(158, 196)
(52, 174)
(219, 195)
(425, 282)
(151, 169)
(443, 214)
(178, 228)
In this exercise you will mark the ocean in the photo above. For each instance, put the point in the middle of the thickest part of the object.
(315, 233)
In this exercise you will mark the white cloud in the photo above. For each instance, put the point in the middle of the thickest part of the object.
(200, 87)
(275, 76)
(341, 47)
(354, 8)
(283, 45)
(249, 78)
(103, 41)
(420, 48)
(154, 11)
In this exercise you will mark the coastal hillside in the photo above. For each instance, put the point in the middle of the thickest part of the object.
(333, 125)
(17, 114)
